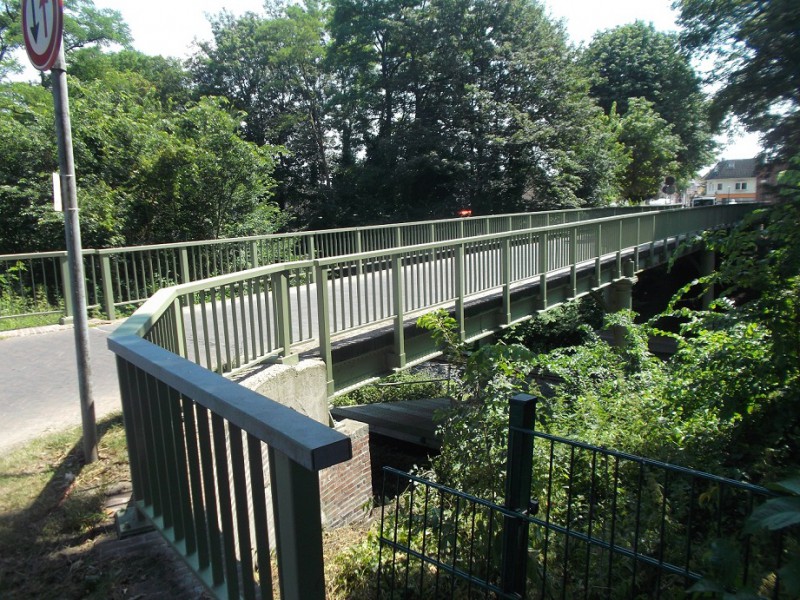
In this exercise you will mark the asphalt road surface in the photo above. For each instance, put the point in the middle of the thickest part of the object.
(39, 381)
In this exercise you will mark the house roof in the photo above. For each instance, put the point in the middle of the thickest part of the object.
(733, 169)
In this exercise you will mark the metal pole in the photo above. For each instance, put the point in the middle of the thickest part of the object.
(521, 421)
(66, 166)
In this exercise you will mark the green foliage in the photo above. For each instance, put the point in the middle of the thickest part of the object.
(636, 61)
(653, 149)
(405, 385)
(567, 325)
(146, 173)
(776, 514)
(756, 46)
(18, 298)
(84, 25)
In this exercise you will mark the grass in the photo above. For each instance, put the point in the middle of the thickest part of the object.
(29, 321)
(58, 538)
(55, 528)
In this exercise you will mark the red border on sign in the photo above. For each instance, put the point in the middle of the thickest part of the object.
(44, 61)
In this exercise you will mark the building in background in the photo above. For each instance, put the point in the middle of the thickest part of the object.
(733, 180)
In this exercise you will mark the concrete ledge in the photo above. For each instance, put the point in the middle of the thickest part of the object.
(302, 387)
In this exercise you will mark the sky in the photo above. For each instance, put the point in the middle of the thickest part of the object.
(170, 28)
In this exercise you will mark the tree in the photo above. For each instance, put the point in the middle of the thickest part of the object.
(652, 146)
(172, 82)
(756, 50)
(10, 37)
(464, 103)
(636, 61)
(201, 180)
(272, 69)
(146, 173)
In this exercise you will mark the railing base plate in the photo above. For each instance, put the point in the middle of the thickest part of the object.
(130, 522)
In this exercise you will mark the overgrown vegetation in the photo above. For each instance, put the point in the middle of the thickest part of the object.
(31, 308)
(405, 385)
(725, 403)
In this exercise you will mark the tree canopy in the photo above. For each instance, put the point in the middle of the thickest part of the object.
(636, 61)
(756, 49)
(344, 112)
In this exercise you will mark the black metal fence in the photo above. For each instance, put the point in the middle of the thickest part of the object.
(579, 521)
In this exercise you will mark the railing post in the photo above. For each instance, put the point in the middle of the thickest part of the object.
(66, 287)
(544, 261)
(359, 250)
(459, 291)
(108, 287)
(519, 476)
(254, 259)
(186, 274)
(280, 287)
(312, 251)
(324, 325)
(598, 264)
(573, 259)
(506, 258)
(298, 530)
(398, 295)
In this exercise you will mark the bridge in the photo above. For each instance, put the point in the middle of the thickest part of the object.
(203, 447)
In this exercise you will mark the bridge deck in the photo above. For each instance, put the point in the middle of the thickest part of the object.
(408, 420)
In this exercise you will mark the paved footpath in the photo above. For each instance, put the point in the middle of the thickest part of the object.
(39, 381)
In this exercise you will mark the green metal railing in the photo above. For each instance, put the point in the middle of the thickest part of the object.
(202, 450)
(579, 521)
(196, 439)
(122, 278)
(274, 312)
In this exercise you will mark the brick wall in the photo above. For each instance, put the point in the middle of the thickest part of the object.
(346, 488)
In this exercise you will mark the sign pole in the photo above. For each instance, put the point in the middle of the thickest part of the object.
(66, 166)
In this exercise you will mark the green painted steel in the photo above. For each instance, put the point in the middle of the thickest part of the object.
(275, 312)
(121, 278)
(196, 439)
(196, 442)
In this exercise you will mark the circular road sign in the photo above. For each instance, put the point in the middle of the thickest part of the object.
(43, 28)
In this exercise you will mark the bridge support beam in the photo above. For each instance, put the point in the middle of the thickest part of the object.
(619, 296)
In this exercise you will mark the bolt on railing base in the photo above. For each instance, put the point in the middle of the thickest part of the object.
(130, 522)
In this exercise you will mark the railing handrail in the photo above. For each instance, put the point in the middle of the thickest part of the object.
(407, 249)
(307, 442)
(312, 232)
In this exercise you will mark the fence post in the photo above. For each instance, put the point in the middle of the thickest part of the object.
(66, 286)
(108, 287)
(506, 267)
(398, 289)
(298, 530)
(186, 274)
(280, 287)
(459, 283)
(324, 325)
(521, 418)
(254, 257)
(544, 265)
